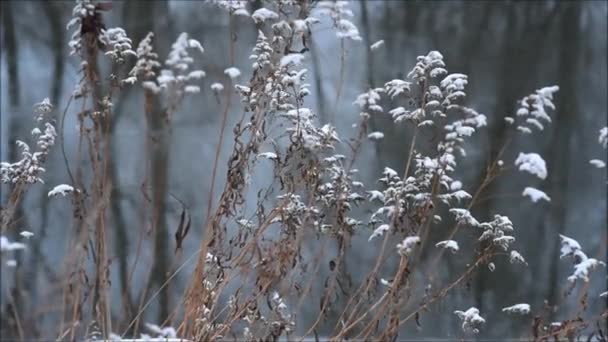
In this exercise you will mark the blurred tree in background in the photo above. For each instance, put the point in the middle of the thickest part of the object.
(508, 49)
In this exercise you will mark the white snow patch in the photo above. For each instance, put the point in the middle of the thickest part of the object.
(7, 246)
(535, 194)
(603, 138)
(597, 163)
(232, 72)
(379, 231)
(532, 163)
(292, 59)
(408, 244)
(26, 234)
(62, 189)
(456, 185)
(376, 135)
(217, 87)
(581, 270)
(470, 319)
(268, 155)
(377, 45)
(521, 309)
(376, 195)
(263, 14)
(448, 244)
(516, 258)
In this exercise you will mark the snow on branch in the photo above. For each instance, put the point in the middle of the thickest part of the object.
(379, 231)
(408, 244)
(448, 244)
(535, 195)
(471, 320)
(26, 234)
(603, 141)
(464, 217)
(339, 12)
(520, 309)
(263, 14)
(29, 168)
(431, 65)
(233, 7)
(582, 264)
(603, 137)
(376, 45)
(232, 72)
(497, 231)
(175, 80)
(147, 61)
(532, 163)
(117, 43)
(533, 109)
(516, 258)
(369, 100)
(8, 246)
(62, 189)
(81, 11)
(375, 136)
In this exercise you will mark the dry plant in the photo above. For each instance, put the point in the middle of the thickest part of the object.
(260, 263)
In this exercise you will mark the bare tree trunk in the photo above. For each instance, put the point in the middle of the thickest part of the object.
(159, 139)
(56, 26)
(366, 31)
(54, 14)
(152, 16)
(517, 73)
(318, 83)
(10, 47)
(515, 67)
(558, 165)
(160, 135)
(369, 61)
(12, 216)
(101, 186)
(158, 147)
(138, 18)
